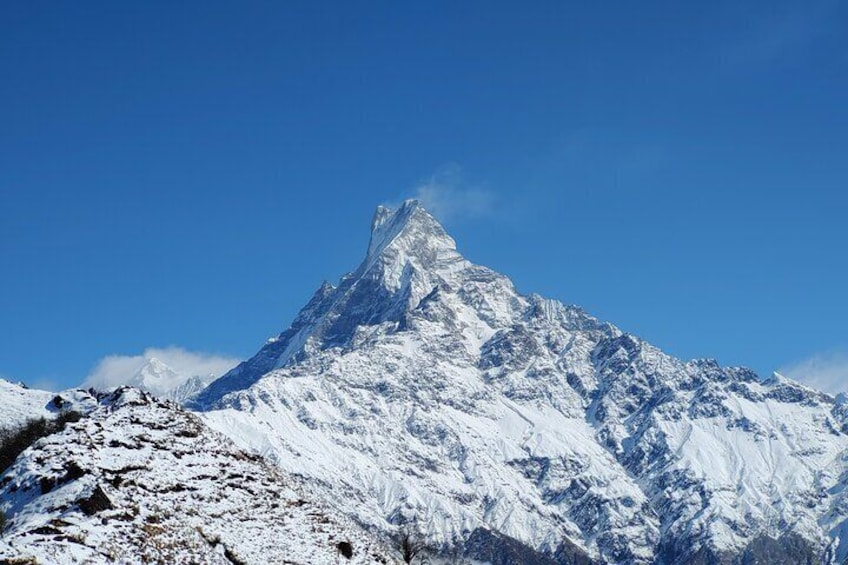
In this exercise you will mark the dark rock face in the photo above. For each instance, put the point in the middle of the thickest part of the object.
(345, 549)
(97, 501)
(498, 549)
(788, 549)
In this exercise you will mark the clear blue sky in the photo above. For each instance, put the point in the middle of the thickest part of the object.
(186, 173)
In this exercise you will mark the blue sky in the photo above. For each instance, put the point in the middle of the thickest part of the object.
(186, 173)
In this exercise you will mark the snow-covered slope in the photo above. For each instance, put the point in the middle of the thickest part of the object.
(142, 481)
(19, 404)
(424, 387)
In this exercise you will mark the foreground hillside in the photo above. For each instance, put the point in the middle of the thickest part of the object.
(19, 404)
(142, 481)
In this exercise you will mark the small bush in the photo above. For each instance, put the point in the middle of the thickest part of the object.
(345, 548)
(13, 442)
(2, 522)
(65, 418)
(412, 543)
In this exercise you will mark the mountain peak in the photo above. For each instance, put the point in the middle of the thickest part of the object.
(409, 255)
(411, 227)
(164, 381)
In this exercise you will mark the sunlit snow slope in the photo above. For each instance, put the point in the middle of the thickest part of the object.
(19, 404)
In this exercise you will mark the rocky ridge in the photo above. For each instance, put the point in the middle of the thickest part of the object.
(141, 480)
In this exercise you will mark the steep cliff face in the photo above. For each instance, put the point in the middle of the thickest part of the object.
(142, 481)
(424, 387)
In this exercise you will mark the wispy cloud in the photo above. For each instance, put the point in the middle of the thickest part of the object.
(447, 195)
(117, 370)
(825, 371)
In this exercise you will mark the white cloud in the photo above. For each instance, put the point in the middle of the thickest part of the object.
(447, 196)
(825, 371)
(117, 370)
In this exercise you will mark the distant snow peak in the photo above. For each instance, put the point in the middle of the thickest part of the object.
(164, 381)
(172, 372)
(153, 372)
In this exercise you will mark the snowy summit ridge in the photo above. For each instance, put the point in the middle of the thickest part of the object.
(20, 404)
(410, 232)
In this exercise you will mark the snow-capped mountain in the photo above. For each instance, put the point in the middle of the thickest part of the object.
(171, 373)
(142, 481)
(515, 429)
(18, 403)
(163, 381)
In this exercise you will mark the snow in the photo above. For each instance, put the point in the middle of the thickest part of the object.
(19, 404)
(176, 491)
(163, 381)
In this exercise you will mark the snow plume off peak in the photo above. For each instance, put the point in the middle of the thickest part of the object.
(447, 195)
(825, 371)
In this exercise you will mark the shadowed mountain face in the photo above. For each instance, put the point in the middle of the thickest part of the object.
(426, 388)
